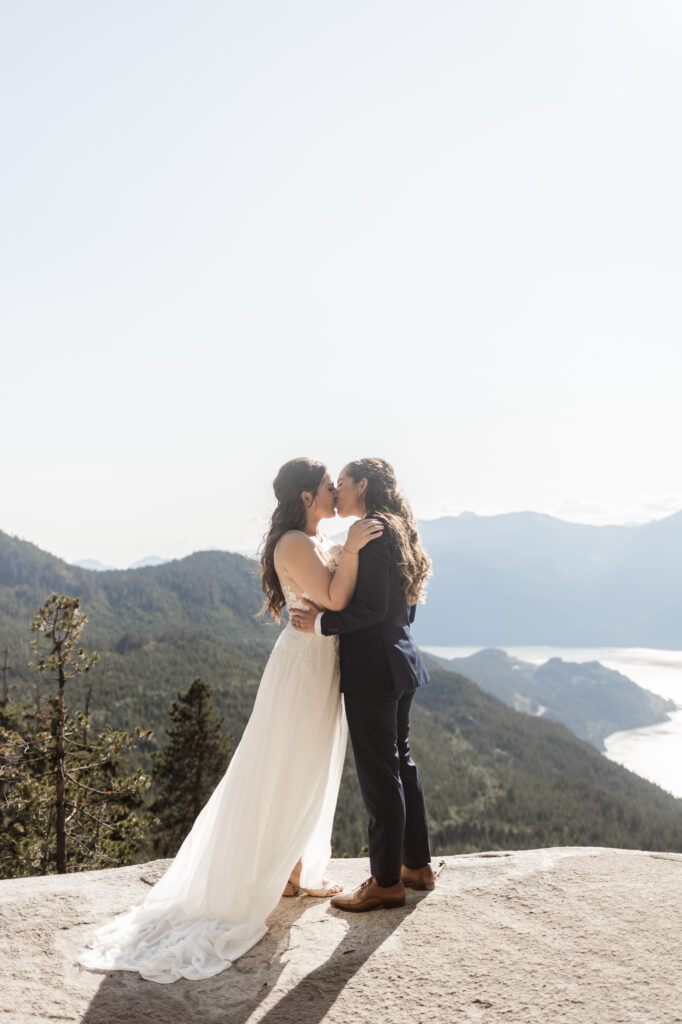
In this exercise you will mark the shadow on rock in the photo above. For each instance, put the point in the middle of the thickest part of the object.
(124, 997)
(235, 995)
(308, 1001)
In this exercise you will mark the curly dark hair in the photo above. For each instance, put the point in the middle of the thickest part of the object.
(293, 478)
(384, 501)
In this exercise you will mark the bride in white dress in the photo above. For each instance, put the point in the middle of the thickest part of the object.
(266, 829)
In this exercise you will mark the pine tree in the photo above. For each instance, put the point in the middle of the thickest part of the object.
(189, 767)
(67, 802)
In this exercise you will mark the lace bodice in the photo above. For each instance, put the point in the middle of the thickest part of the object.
(294, 600)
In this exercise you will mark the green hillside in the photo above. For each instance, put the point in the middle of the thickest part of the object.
(494, 778)
(593, 701)
(500, 779)
(213, 592)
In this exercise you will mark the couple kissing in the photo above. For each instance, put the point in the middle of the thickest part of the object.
(380, 665)
(345, 662)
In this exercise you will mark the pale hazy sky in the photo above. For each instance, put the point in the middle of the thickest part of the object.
(448, 233)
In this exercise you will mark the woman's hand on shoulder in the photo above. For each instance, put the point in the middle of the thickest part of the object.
(361, 533)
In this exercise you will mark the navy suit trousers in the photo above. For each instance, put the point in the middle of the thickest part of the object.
(389, 782)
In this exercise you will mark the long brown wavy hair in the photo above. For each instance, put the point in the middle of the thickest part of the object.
(293, 478)
(384, 501)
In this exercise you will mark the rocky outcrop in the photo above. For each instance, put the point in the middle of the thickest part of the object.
(584, 935)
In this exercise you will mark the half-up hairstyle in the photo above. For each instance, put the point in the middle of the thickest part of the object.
(384, 501)
(294, 477)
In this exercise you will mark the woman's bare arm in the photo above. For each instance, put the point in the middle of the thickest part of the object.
(297, 556)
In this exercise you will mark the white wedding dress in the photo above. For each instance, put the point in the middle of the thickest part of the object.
(274, 805)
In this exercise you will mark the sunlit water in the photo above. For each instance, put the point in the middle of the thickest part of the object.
(655, 751)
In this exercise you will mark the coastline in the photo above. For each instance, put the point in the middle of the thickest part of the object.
(653, 751)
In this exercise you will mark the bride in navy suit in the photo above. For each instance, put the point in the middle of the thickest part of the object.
(381, 669)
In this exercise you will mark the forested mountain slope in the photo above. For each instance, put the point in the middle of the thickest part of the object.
(494, 777)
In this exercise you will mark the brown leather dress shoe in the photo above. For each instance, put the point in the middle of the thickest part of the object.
(421, 879)
(370, 896)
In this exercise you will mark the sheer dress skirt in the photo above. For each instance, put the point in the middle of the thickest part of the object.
(274, 804)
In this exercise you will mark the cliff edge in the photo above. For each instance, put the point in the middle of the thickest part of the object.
(571, 934)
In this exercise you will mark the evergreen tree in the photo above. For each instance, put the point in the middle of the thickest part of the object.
(66, 801)
(189, 767)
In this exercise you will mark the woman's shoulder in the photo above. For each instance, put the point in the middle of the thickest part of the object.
(381, 547)
(293, 541)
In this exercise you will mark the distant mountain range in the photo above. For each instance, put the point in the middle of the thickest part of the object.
(495, 777)
(529, 579)
(593, 701)
(95, 566)
(526, 578)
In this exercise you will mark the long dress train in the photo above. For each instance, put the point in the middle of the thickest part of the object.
(274, 804)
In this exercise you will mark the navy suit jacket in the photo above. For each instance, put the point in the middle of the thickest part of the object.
(377, 652)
